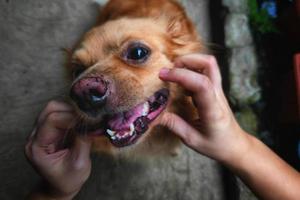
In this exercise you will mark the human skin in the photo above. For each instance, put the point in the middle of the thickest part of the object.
(215, 134)
(64, 169)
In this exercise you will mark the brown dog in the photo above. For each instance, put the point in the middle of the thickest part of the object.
(116, 88)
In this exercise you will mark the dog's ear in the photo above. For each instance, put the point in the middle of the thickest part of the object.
(183, 35)
(114, 9)
(180, 28)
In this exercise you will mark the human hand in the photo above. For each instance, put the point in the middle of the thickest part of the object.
(65, 169)
(215, 133)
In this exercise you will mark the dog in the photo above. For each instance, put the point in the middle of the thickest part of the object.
(116, 90)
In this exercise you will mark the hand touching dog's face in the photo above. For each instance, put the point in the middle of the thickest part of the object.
(115, 70)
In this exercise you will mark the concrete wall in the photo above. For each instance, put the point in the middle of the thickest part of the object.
(31, 35)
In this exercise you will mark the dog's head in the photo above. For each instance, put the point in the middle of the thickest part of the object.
(115, 67)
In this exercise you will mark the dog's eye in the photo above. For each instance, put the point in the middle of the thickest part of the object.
(77, 70)
(137, 53)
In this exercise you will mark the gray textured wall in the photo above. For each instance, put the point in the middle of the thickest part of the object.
(31, 35)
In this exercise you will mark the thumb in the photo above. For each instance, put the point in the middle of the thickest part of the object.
(81, 149)
(189, 135)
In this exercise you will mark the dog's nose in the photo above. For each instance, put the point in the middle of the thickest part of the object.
(90, 93)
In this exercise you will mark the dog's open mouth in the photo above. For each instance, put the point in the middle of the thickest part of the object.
(124, 129)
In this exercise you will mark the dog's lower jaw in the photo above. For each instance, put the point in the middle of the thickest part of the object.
(146, 148)
(157, 141)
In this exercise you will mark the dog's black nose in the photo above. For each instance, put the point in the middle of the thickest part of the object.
(90, 93)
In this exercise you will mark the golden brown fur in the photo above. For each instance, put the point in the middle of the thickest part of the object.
(162, 25)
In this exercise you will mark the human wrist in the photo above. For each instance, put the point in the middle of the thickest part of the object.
(240, 147)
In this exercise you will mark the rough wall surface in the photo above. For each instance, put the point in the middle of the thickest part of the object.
(243, 63)
(243, 70)
(31, 35)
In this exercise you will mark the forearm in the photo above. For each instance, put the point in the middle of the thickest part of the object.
(265, 173)
(216, 133)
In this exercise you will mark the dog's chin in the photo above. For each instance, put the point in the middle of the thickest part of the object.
(126, 128)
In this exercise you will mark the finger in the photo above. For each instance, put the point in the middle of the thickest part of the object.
(198, 84)
(54, 106)
(190, 136)
(81, 151)
(205, 64)
(28, 145)
(28, 150)
(32, 134)
(54, 128)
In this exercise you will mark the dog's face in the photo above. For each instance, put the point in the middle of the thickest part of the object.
(115, 76)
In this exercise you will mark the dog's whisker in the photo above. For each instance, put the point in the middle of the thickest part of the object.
(214, 47)
(69, 130)
(85, 133)
(83, 125)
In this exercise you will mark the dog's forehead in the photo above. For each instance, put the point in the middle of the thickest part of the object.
(118, 31)
(113, 34)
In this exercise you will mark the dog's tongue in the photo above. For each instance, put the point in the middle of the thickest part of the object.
(122, 121)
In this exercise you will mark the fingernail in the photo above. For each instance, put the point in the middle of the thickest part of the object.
(164, 72)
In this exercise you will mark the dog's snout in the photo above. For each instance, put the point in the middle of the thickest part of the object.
(90, 93)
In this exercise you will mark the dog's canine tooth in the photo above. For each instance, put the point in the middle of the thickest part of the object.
(113, 137)
(146, 109)
(118, 136)
(110, 132)
(125, 135)
(131, 129)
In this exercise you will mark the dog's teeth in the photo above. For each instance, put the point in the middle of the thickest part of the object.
(110, 132)
(131, 129)
(119, 137)
(127, 134)
(146, 109)
(113, 137)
